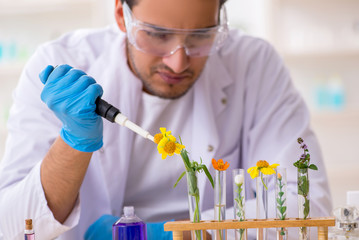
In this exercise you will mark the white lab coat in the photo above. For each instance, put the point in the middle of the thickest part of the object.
(245, 109)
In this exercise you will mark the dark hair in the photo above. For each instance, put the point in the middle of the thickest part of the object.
(132, 3)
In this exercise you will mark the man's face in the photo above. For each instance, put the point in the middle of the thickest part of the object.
(171, 76)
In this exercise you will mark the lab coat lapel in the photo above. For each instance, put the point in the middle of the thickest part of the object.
(112, 72)
(209, 101)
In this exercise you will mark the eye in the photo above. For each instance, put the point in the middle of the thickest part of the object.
(163, 36)
(199, 36)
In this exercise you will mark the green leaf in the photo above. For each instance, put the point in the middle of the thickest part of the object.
(180, 177)
(192, 183)
(280, 194)
(313, 167)
(283, 209)
(305, 187)
(209, 176)
(300, 192)
(306, 208)
(185, 158)
(302, 165)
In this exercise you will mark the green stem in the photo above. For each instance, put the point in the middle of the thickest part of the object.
(263, 182)
(219, 204)
(239, 201)
(196, 217)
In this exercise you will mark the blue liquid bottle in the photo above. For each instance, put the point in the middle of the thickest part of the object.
(129, 226)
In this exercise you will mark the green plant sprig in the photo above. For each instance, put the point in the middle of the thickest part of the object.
(304, 161)
(193, 166)
(303, 164)
(240, 213)
(280, 204)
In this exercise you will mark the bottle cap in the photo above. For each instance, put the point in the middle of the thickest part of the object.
(28, 224)
(129, 211)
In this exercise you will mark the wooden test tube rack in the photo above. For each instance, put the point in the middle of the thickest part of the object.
(178, 227)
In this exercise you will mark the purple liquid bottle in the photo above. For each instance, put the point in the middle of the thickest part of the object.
(129, 226)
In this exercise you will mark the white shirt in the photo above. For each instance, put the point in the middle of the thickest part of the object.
(245, 109)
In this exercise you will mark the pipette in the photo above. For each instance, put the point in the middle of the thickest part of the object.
(106, 110)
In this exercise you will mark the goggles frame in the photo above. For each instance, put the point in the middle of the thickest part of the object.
(218, 32)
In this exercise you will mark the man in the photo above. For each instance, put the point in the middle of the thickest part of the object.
(167, 63)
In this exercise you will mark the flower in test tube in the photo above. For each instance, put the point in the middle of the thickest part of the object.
(167, 145)
(264, 167)
(239, 199)
(219, 165)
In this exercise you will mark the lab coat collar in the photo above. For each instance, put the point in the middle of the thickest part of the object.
(210, 99)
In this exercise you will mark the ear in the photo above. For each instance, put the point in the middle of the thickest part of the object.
(119, 16)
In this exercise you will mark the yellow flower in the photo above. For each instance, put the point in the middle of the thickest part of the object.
(262, 166)
(168, 145)
(158, 137)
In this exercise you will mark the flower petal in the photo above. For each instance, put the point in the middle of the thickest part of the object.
(253, 171)
(172, 138)
(275, 165)
(215, 164)
(226, 165)
(267, 171)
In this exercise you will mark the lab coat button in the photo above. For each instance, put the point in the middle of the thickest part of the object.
(224, 101)
(210, 148)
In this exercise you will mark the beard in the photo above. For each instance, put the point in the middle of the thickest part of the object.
(172, 91)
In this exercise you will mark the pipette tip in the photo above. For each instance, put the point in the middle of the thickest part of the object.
(150, 137)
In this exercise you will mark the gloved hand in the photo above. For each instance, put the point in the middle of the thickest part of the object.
(71, 95)
(155, 231)
(102, 229)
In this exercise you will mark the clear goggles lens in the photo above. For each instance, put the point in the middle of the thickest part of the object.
(163, 42)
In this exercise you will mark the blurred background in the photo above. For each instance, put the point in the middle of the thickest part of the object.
(318, 40)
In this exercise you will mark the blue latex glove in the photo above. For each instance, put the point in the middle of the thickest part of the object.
(155, 231)
(71, 95)
(102, 229)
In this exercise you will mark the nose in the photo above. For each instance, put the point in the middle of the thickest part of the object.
(178, 61)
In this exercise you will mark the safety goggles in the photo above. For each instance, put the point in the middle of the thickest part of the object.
(161, 41)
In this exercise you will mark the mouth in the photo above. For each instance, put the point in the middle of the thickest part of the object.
(170, 78)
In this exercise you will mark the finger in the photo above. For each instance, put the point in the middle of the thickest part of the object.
(58, 72)
(81, 84)
(45, 73)
(69, 78)
(93, 92)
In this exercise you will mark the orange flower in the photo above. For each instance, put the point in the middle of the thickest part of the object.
(219, 165)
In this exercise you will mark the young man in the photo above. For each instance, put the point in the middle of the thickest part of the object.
(167, 63)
